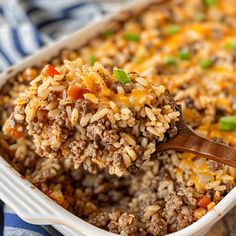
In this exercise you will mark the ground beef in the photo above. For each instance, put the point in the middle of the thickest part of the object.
(77, 147)
(157, 226)
(61, 120)
(128, 224)
(110, 136)
(100, 220)
(95, 131)
(85, 106)
(184, 218)
(113, 227)
(172, 207)
(187, 195)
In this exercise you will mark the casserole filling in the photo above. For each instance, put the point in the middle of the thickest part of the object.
(188, 47)
(92, 117)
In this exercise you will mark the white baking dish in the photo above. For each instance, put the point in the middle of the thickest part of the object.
(35, 207)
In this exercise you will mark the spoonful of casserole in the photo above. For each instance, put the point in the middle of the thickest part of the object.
(94, 118)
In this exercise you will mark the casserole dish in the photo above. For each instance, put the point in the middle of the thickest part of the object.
(66, 222)
(63, 217)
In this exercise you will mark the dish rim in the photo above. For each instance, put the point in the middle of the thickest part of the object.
(85, 34)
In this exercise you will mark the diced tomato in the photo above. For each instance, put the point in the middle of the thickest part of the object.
(75, 92)
(49, 70)
(12, 132)
(204, 201)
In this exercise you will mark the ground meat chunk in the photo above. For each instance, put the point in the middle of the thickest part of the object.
(157, 226)
(113, 227)
(187, 196)
(95, 131)
(110, 136)
(172, 207)
(77, 147)
(128, 224)
(184, 218)
(132, 169)
(100, 220)
(85, 106)
(61, 120)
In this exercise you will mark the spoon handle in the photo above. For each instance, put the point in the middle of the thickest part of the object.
(189, 141)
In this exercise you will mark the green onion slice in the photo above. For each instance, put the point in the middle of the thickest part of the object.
(92, 60)
(184, 55)
(205, 63)
(170, 61)
(171, 29)
(228, 123)
(121, 76)
(230, 45)
(131, 36)
(210, 3)
(108, 34)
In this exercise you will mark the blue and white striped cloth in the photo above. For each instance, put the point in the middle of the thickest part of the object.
(25, 26)
(14, 226)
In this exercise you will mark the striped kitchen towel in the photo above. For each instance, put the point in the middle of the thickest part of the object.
(14, 226)
(26, 25)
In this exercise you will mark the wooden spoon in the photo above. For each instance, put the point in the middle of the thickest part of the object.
(188, 141)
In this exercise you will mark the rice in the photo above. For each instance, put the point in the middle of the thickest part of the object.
(74, 116)
(99, 115)
(85, 119)
(91, 97)
(205, 94)
(90, 108)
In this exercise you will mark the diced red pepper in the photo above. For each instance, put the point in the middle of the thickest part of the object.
(75, 92)
(49, 70)
(204, 201)
(12, 132)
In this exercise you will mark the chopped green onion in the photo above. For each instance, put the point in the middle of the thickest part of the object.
(92, 60)
(200, 17)
(228, 123)
(121, 76)
(230, 45)
(108, 34)
(171, 29)
(205, 63)
(131, 37)
(210, 3)
(170, 61)
(184, 55)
